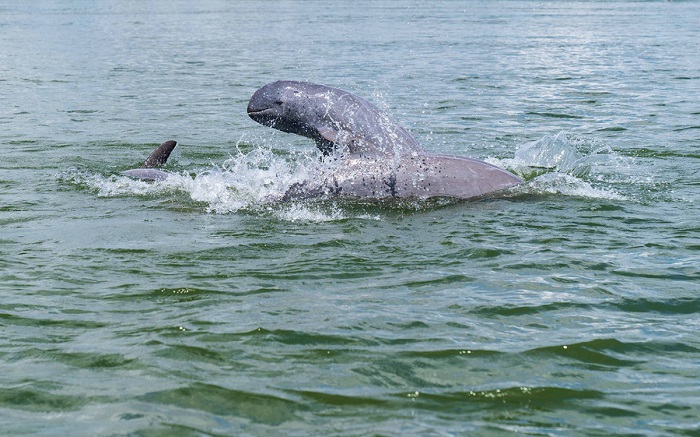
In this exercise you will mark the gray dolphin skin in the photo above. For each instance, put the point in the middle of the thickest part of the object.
(157, 158)
(374, 156)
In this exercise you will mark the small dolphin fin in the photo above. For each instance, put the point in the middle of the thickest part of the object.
(160, 156)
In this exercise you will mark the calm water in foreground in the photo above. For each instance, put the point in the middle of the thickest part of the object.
(195, 306)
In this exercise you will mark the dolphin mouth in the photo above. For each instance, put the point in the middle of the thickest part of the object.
(266, 117)
(252, 111)
(259, 113)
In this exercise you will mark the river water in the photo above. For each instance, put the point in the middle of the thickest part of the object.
(197, 306)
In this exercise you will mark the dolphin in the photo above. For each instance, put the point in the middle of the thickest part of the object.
(372, 156)
(157, 158)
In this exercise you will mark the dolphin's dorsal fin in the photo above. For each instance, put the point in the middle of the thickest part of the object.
(160, 156)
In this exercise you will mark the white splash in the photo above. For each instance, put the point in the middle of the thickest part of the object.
(252, 181)
(568, 185)
(246, 180)
(567, 165)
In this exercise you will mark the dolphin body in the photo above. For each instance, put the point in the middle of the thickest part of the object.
(369, 154)
(374, 156)
(157, 158)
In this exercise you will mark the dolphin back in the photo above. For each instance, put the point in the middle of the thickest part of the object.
(418, 176)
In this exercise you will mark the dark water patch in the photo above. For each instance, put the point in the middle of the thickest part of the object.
(450, 354)
(537, 398)
(614, 411)
(348, 267)
(447, 280)
(197, 354)
(643, 221)
(333, 399)
(261, 336)
(664, 306)
(644, 152)
(390, 372)
(509, 310)
(131, 416)
(604, 207)
(170, 429)
(416, 324)
(484, 253)
(82, 111)
(466, 78)
(167, 294)
(554, 115)
(96, 361)
(12, 319)
(36, 400)
(669, 275)
(83, 360)
(187, 294)
(609, 353)
(686, 128)
(445, 104)
(6, 184)
(22, 206)
(594, 354)
(24, 142)
(225, 402)
(290, 337)
(557, 266)
(261, 290)
(613, 129)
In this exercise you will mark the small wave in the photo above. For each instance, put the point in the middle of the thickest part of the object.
(222, 401)
(533, 396)
(566, 165)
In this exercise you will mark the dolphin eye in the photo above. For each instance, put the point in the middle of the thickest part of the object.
(278, 102)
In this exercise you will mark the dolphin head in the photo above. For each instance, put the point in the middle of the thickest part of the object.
(288, 106)
(329, 116)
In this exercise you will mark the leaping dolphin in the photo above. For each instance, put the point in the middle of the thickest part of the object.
(377, 157)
